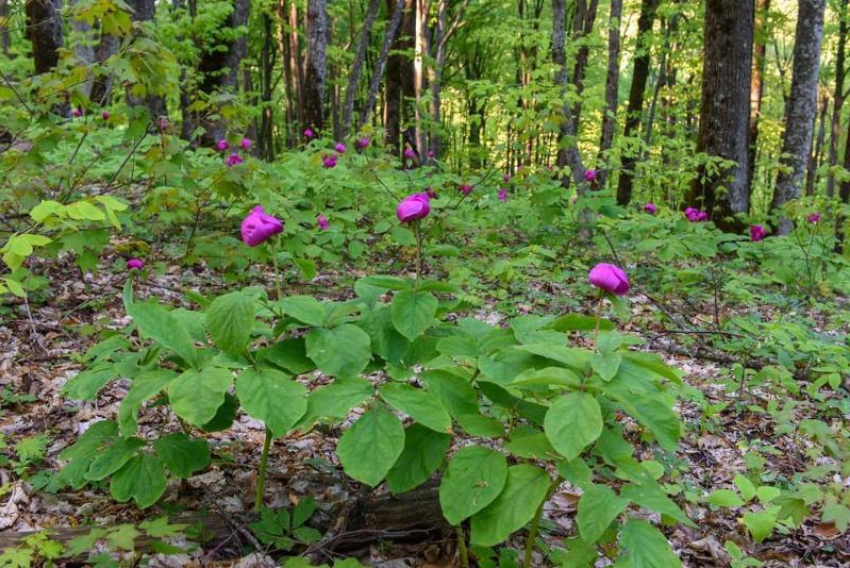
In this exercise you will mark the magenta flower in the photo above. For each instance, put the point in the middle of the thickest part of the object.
(416, 206)
(589, 175)
(409, 153)
(246, 143)
(162, 123)
(234, 159)
(77, 112)
(222, 145)
(609, 278)
(650, 208)
(362, 143)
(105, 115)
(503, 194)
(431, 193)
(506, 178)
(757, 233)
(322, 221)
(695, 215)
(329, 161)
(258, 227)
(813, 218)
(465, 189)
(339, 148)
(309, 134)
(431, 154)
(135, 264)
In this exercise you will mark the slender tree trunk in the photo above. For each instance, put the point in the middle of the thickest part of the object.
(5, 36)
(837, 98)
(83, 51)
(757, 85)
(803, 107)
(817, 150)
(265, 137)
(582, 28)
(44, 29)
(612, 89)
(357, 66)
(636, 95)
(315, 69)
(144, 11)
(296, 64)
(568, 156)
(400, 78)
(375, 83)
(102, 85)
(422, 49)
(725, 111)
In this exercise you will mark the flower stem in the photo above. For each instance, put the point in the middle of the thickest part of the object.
(535, 524)
(261, 477)
(461, 547)
(598, 317)
(418, 251)
(278, 295)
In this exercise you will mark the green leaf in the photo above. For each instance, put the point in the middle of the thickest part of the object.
(144, 387)
(533, 447)
(82, 452)
(224, 416)
(424, 452)
(182, 455)
(650, 495)
(578, 322)
(273, 397)
(413, 312)
(419, 404)
(761, 524)
(86, 385)
(158, 324)
(142, 479)
(455, 393)
(230, 319)
(745, 486)
(478, 425)
(305, 309)
(644, 546)
(195, 396)
(525, 490)
(474, 478)
(573, 422)
(597, 509)
(606, 366)
(343, 351)
(291, 355)
(335, 400)
(836, 513)
(725, 498)
(579, 554)
(371, 446)
(113, 458)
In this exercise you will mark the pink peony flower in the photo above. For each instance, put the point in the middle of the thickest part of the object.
(589, 175)
(503, 194)
(695, 215)
(339, 148)
(609, 278)
(222, 145)
(650, 208)
(135, 264)
(431, 154)
(409, 154)
(105, 115)
(162, 123)
(757, 233)
(416, 206)
(362, 143)
(322, 221)
(246, 143)
(77, 112)
(234, 159)
(329, 161)
(258, 227)
(309, 134)
(506, 178)
(465, 189)
(813, 218)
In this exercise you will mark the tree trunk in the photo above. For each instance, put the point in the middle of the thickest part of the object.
(422, 49)
(315, 64)
(757, 85)
(357, 66)
(612, 89)
(83, 51)
(102, 86)
(837, 98)
(5, 36)
(636, 94)
(144, 11)
(44, 29)
(265, 134)
(400, 78)
(802, 106)
(725, 111)
(582, 28)
(817, 150)
(375, 83)
(568, 156)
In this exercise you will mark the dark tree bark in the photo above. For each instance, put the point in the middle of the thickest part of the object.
(399, 84)
(568, 156)
(612, 89)
(636, 95)
(293, 68)
(5, 36)
(375, 83)
(757, 85)
(442, 33)
(725, 111)
(817, 150)
(582, 27)
(44, 29)
(837, 98)
(357, 66)
(802, 106)
(83, 51)
(102, 86)
(315, 64)
(144, 11)
(265, 133)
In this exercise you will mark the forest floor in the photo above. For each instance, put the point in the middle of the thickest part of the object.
(38, 343)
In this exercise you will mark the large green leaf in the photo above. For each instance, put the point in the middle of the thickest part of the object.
(82, 452)
(597, 509)
(342, 351)
(419, 404)
(113, 458)
(424, 452)
(573, 422)
(456, 393)
(144, 387)
(86, 384)
(273, 397)
(182, 455)
(305, 309)
(195, 396)
(413, 312)
(230, 319)
(158, 324)
(525, 490)
(371, 446)
(474, 478)
(142, 479)
(650, 495)
(644, 546)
